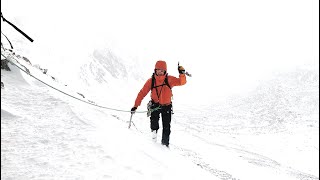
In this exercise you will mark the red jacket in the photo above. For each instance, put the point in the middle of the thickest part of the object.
(164, 92)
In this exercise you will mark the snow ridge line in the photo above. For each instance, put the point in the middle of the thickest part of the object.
(10, 58)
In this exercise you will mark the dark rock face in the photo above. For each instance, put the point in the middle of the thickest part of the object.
(4, 64)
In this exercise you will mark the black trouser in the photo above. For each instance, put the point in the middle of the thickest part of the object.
(165, 112)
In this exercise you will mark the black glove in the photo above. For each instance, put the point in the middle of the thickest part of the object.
(133, 110)
(181, 70)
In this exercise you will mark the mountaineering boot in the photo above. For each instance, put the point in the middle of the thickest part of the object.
(165, 140)
(154, 135)
(165, 144)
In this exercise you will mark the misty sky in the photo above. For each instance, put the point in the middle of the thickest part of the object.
(225, 44)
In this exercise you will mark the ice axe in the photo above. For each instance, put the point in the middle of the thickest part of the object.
(130, 121)
(185, 72)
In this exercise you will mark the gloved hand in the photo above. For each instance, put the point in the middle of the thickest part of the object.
(181, 70)
(133, 110)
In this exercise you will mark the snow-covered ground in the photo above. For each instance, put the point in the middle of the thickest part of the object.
(47, 136)
(270, 133)
(250, 111)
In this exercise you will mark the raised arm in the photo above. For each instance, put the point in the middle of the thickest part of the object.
(174, 81)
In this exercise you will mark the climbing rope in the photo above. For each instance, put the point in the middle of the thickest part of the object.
(7, 40)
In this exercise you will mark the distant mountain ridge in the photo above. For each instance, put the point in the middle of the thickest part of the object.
(290, 99)
(104, 65)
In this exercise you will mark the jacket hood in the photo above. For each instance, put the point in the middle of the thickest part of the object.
(161, 65)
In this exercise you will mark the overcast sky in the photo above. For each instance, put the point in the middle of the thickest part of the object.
(241, 41)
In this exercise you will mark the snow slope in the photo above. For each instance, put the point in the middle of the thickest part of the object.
(47, 136)
(270, 133)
